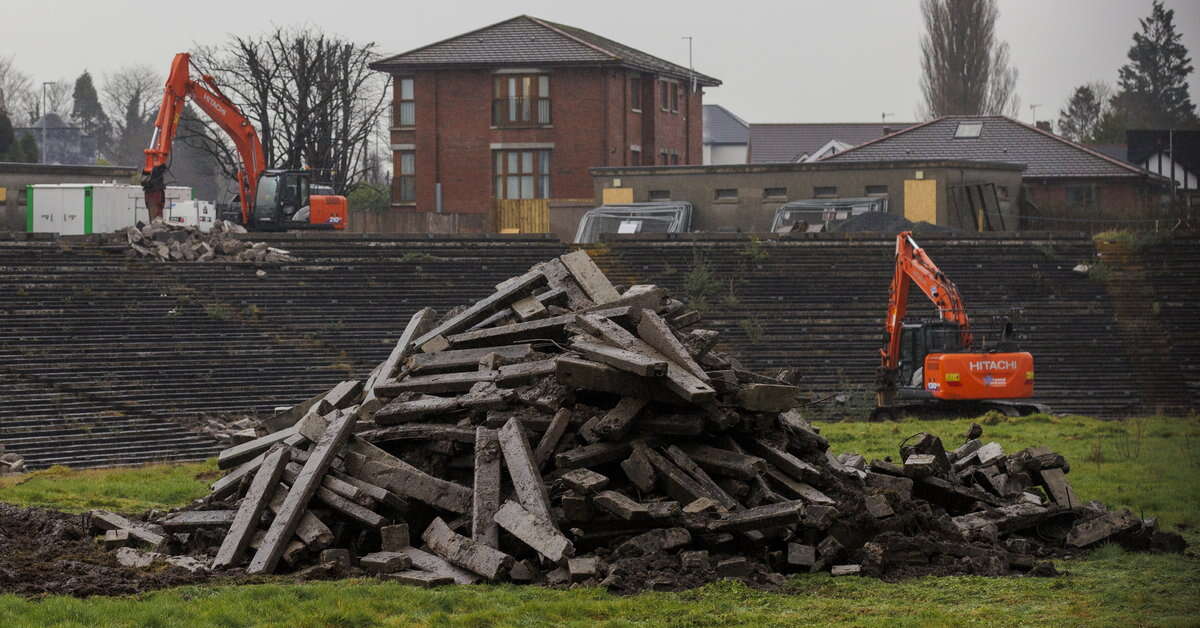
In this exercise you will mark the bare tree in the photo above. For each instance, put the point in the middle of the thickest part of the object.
(132, 96)
(965, 71)
(14, 84)
(53, 96)
(312, 97)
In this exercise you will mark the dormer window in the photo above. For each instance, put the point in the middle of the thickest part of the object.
(967, 130)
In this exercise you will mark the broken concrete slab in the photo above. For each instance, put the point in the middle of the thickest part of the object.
(393, 538)
(295, 504)
(487, 488)
(464, 552)
(534, 531)
(384, 562)
(257, 497)
(438, 566)
(589, 277)
(614, 424)
(526, 479)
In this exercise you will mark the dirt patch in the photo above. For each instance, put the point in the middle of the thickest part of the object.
(46, 552)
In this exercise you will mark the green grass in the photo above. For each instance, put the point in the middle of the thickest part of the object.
(1109, 587)
(126, 490)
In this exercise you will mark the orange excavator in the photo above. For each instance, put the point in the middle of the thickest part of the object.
(271, 200)
(933, 365)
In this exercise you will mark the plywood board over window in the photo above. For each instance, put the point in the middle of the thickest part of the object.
(920, 200)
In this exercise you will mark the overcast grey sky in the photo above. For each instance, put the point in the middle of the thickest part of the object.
(785, 61)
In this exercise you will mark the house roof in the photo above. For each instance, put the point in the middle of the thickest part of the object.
(1185, 145)
(527, 40)
(1116, 151)
(722, 126)
(1044, 154)
(774, 143)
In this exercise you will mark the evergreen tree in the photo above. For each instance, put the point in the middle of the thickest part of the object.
(1078, 121)
(7, 138)
(1153, 85)
(87, 113)
(26, 150)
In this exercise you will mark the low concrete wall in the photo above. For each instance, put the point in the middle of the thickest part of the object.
(15, 176)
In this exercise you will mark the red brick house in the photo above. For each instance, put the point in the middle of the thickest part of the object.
(497, 128)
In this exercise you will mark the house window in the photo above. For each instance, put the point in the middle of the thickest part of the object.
(675, 97)
(405, 181)
(635, 94)
(774, 192)
(968, 130)
(521, 173)
(660, 195)
(521, 100)
(664, 95)
(1081, 196)
(664, 158)
(876, 190)
(726, 194)
(405, 110)
(825, 191)
(674, 158)
(635, 157)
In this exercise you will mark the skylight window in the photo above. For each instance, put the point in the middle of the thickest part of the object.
(968, 130)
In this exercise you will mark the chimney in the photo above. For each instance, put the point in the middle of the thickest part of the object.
(1044, 125)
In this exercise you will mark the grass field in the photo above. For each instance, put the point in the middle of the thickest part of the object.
(1149, 465)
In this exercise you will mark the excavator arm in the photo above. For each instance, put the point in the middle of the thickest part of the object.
(912, 263)
(205, 93)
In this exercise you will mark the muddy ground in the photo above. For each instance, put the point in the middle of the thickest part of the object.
(48, 552)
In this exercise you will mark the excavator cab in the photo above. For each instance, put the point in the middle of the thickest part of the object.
(285, 200)
(281, 194)
(918, 340)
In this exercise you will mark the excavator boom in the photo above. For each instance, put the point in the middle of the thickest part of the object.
(208, 97)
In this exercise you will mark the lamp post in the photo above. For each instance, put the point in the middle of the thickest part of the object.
(45, 121)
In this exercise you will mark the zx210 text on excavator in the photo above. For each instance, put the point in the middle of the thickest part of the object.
(271, 200)
(933, 366)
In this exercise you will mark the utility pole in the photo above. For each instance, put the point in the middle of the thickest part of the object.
(691, 68)
(45, 122)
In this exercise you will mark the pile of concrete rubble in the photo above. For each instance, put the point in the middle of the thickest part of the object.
(563, 431)
(166, 242)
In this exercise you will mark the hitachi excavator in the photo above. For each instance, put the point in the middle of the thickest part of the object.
(271, 200)
(933, 366)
